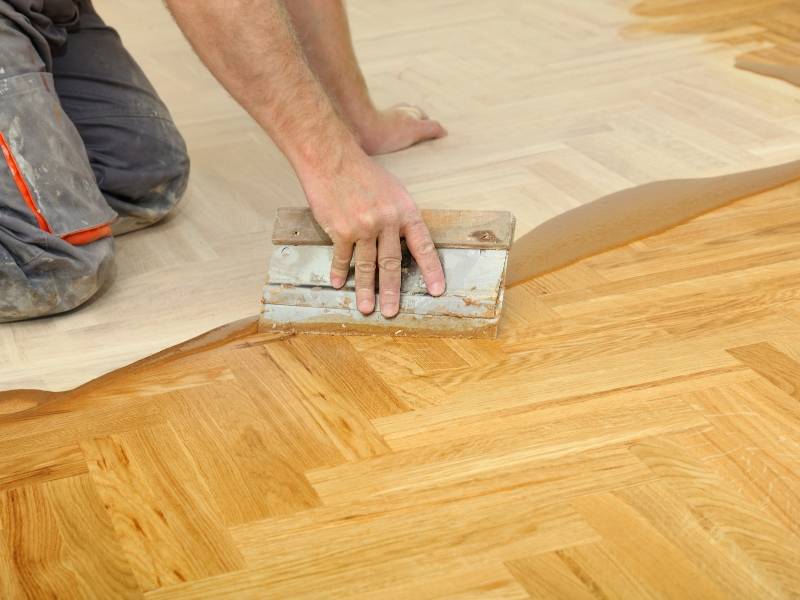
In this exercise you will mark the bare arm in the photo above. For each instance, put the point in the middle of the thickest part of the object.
(324, 35)
(250, 47)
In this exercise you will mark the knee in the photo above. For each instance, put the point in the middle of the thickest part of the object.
(147, 175)
(53, 282)
(160, 194)
(169, 158)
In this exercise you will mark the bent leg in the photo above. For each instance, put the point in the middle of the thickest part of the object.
(35, 282)
(55, 249)
(137, 154)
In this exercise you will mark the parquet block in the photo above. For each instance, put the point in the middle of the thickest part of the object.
(31, 538)
(45, 548)
(638, 554)
(166, 520)
(725, 528)
(326, 381)
(294, 432)
(233, 448)
(600, 419)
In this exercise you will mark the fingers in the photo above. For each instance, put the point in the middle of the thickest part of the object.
(389, 261)
(418, 240)
(366, 254)
(340, 265)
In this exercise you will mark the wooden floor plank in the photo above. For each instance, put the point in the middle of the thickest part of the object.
(282, 405)
(443, 474)
(46, 465)
(604, 419)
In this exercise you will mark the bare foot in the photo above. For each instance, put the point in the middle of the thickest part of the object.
(396, 128)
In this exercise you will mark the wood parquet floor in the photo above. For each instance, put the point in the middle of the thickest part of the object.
(634, 432)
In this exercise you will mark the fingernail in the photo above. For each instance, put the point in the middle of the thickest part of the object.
(337, 281)
(365, 306)
(389, 309)
(437, 288)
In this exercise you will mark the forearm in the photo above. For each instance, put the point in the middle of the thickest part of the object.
(250, 47)
(324, 34)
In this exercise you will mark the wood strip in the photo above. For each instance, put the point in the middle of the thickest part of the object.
(43, 465)
(295, 432)
(234, 446)
(448, 473)
(449, 228)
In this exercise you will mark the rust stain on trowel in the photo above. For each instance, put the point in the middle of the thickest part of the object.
(484, 235)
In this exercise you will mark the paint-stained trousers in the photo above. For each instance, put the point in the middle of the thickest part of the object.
(87, 150)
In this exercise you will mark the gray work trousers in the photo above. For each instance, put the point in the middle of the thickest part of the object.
(87, 150)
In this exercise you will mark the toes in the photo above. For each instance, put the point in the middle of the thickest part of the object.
(430, 130)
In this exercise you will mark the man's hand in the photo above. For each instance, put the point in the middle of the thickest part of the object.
(396, 128)
(315, 118)
(362, 207)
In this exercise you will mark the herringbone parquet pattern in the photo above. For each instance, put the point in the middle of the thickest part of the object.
(633, 433)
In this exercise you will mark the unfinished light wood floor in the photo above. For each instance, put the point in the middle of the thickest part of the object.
(633, 433)
(550, 105)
